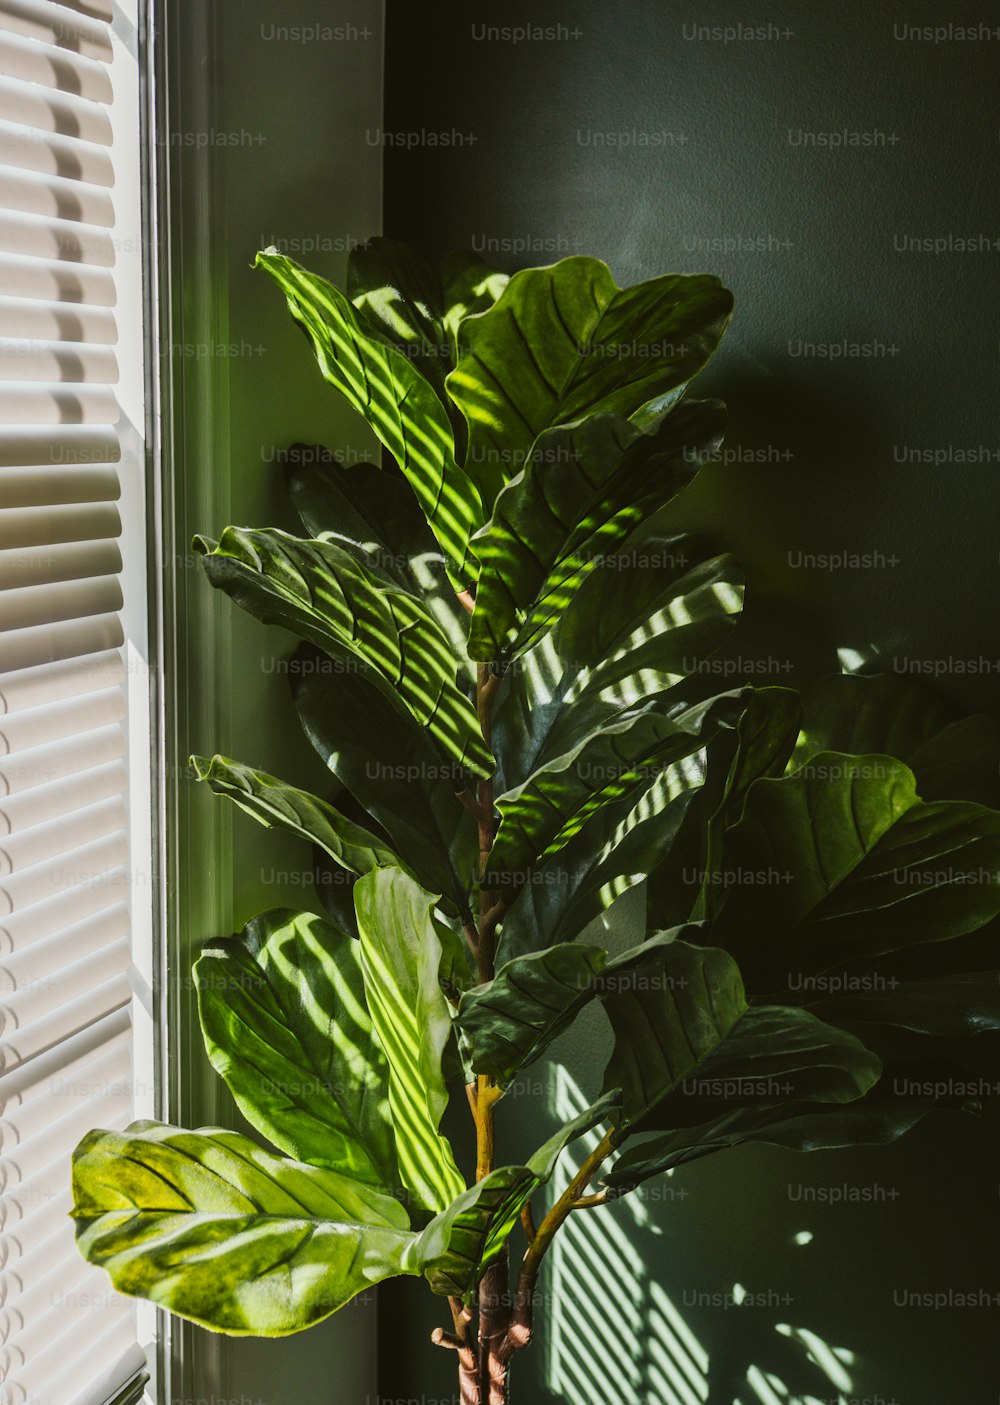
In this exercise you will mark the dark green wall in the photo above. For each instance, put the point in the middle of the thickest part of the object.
(830, 455)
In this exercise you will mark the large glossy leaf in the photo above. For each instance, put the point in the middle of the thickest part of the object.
(461, 1242)
(949, 1006)
(682, 1027)
(774, 1054)
(384, 385)
(541, 816)
(390, 767)
(671, 1005)
(795, 1126)
(371, 513)
(322, 593)
(285, 1022)
(952, 757)
(418, 304)
(858, 867)
(214, 1229)
(689, 882)
(512, 1019)
(637, 626)
(279, 806)
(404, 951)
(585, 488)
(565, 341)
(621, 843)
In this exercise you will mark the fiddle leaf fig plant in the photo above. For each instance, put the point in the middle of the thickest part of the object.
(496, 626)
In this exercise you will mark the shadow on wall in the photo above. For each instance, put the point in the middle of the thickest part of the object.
(699, 1346)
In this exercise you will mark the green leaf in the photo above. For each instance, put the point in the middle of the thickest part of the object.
(634, 629)
(619, 845)
(671, 1005)
(371, 513)
(402, 951)
(952, 757)
(688, 884)
(283, 1013)
(382, 383)
(585, 487)
(775, 1054)
(948, 1006)
(279, 806)
(541, 816)
(390, 767)
(565, 341)
(859, 867)
(460, 1243)
(796, 1127)
(212, 1228)
(420, 305)
(323, 594)
(512, 1019)
(682, 1027)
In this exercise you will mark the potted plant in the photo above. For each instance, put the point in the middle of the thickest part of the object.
(495, 631)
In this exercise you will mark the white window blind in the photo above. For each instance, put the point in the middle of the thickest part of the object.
(75, 898)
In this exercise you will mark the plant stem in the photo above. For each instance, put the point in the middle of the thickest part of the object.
(521, 1324)
(493, 1297)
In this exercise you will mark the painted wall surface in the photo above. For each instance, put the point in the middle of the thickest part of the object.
(838, 167)
(268, 114)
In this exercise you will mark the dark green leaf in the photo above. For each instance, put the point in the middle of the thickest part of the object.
(323, 594)
(952, 758)
(584, 489)
(637, 626)
(279, 806)
(859, 867)
(794, 1126)
(460, 1243)
(382, 383)
(566, 341)
(670, 1005)
(949, 1006)
(372, 514)
(285, 1022)
(510, 1020)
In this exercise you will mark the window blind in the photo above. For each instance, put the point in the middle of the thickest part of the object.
(75, 900)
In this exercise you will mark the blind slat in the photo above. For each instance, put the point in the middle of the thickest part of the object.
(35, 360)
(54, 196)
(89, 1346)
(62, 910)
(34, 61)
(39, 319)
(62, 522)
(66, 758)
(90, 479)
(62, 561)
(52, 155)
(29, 607)
(57, 404)
(56, 280)
(69, 831)
(55, 24)
(24, 648)
(62, 1023)
(63, 113)
(66, 678)
(33, 808)
(89, 864)
(91, 1079)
